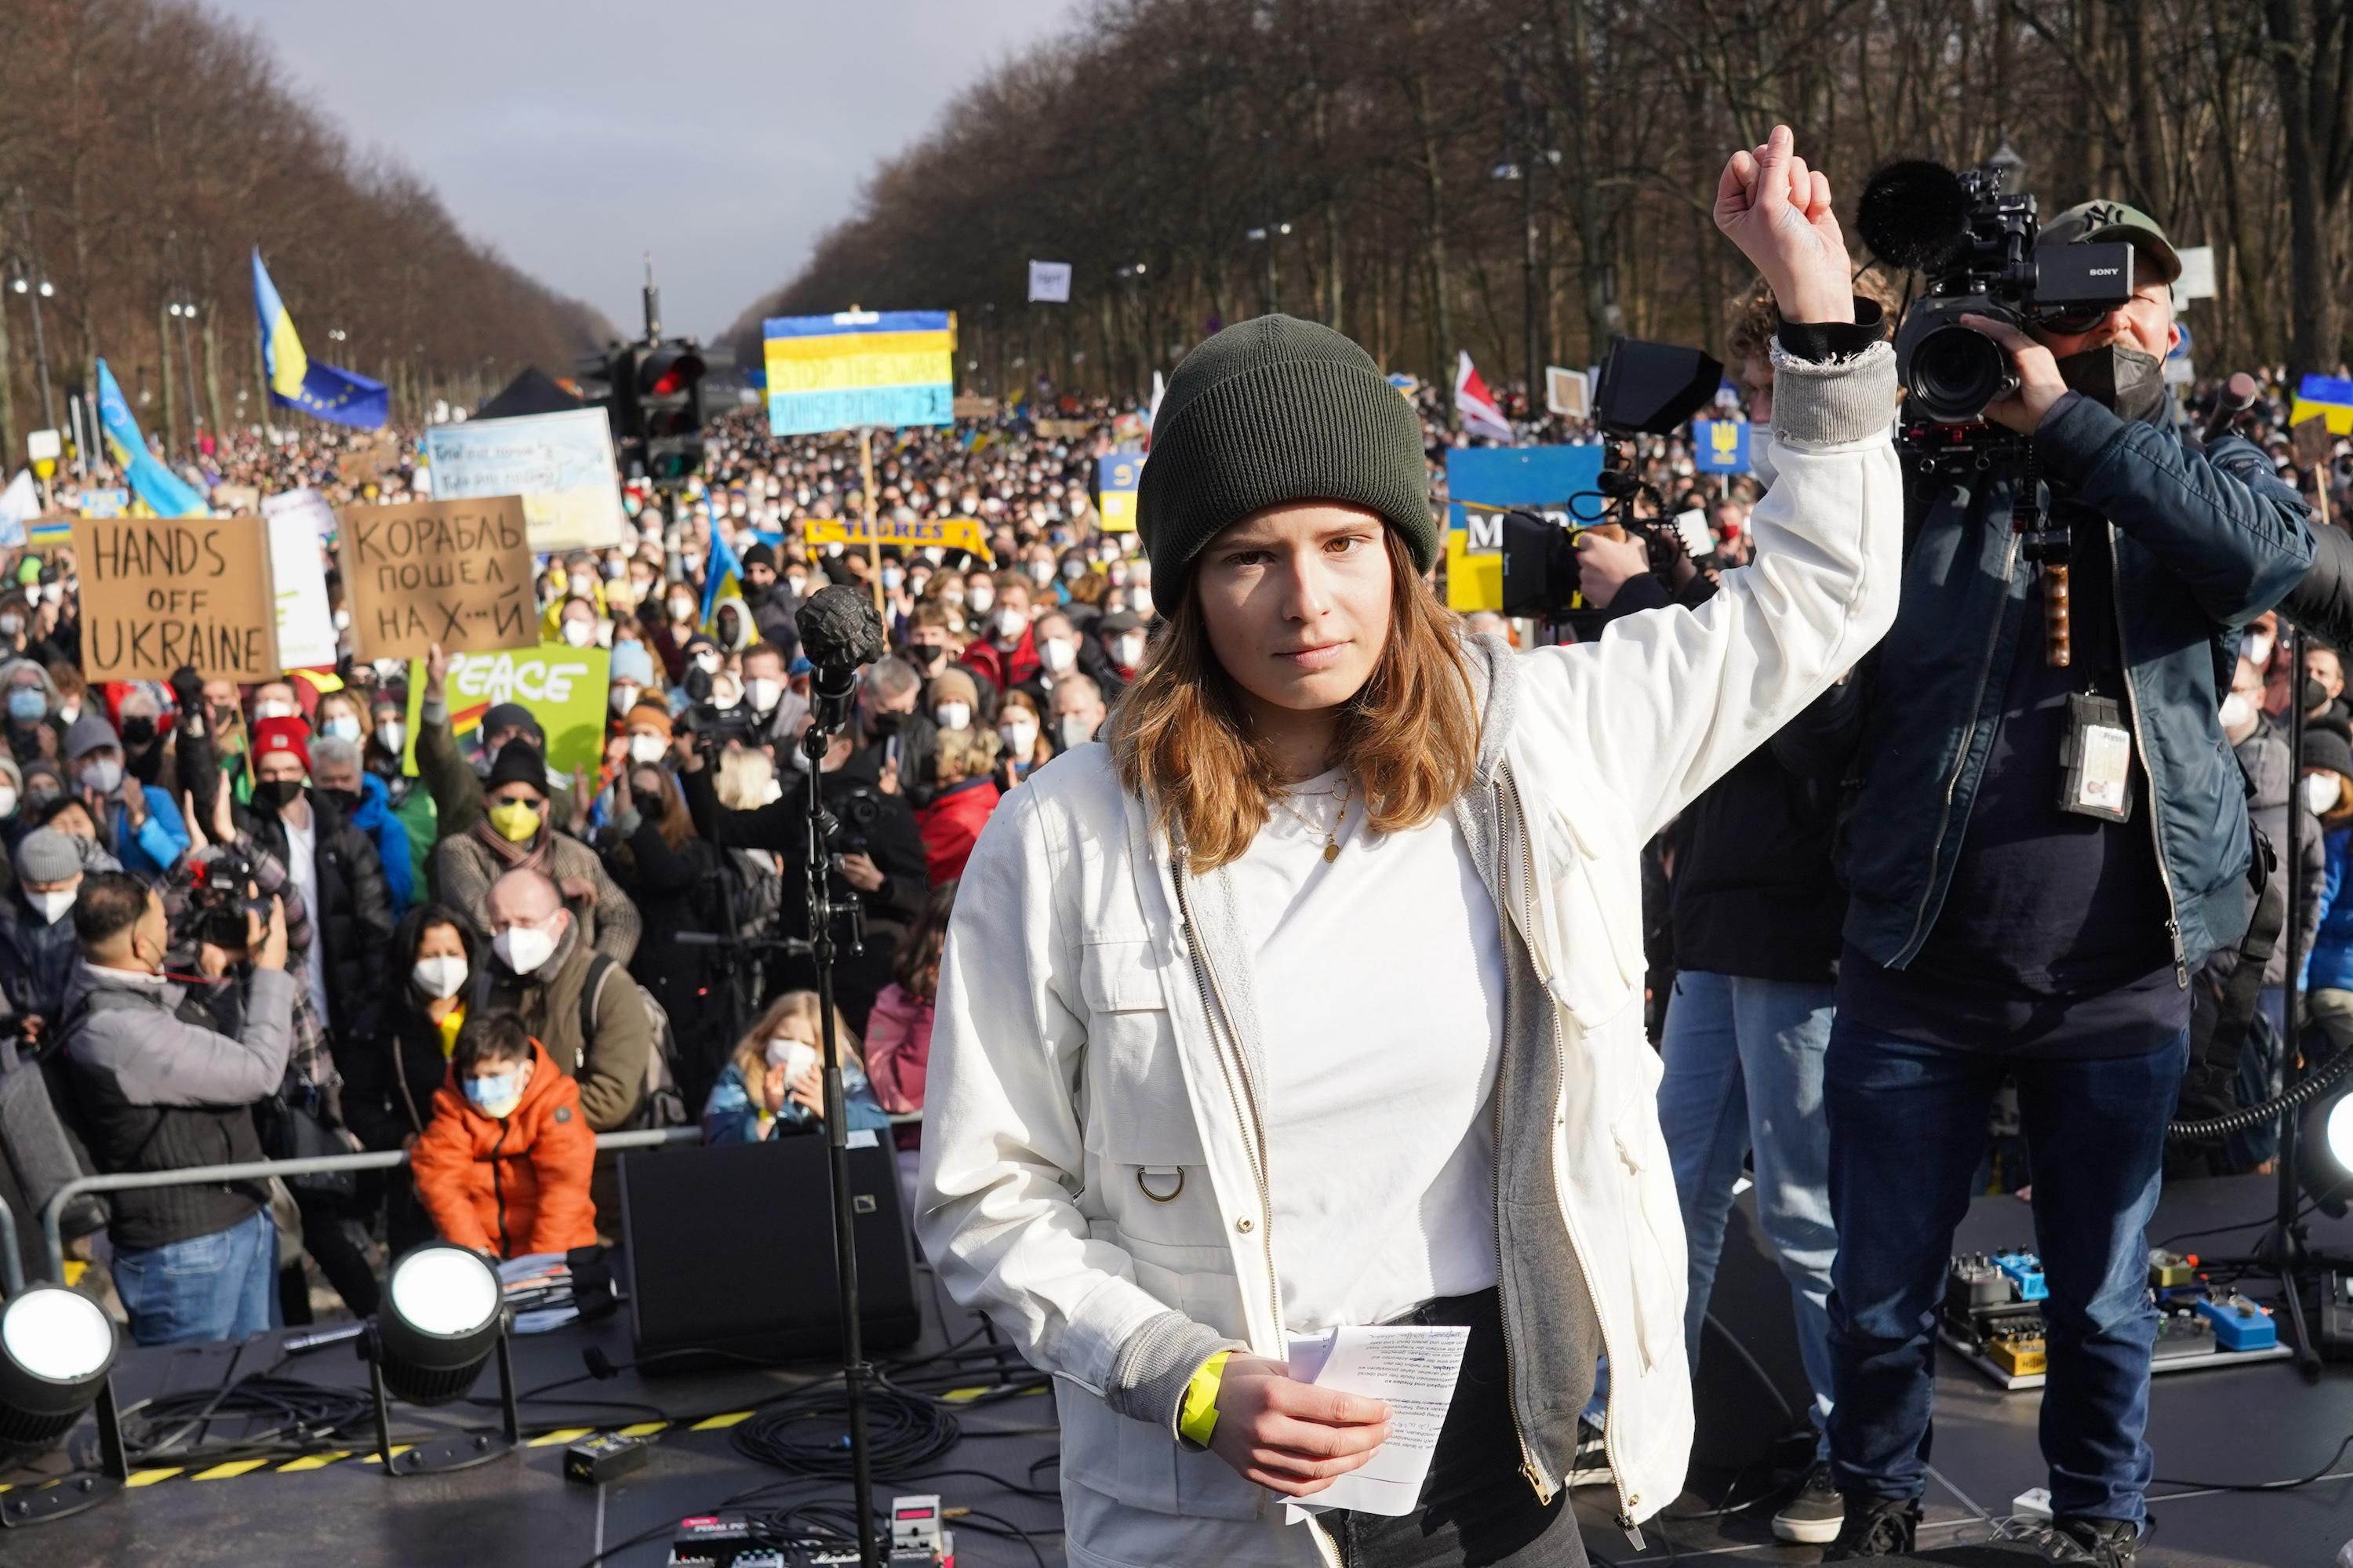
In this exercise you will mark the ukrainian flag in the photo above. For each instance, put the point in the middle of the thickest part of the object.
(320, 389)
(161, 491)
(722, 573)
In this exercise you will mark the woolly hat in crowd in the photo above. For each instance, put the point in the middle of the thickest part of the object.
(759, 555)
(631, 663)
(1275, 410)
(513, 717)
(648, 716)
(87, 734)
(2324, 745)
(276, 735)
(518, 762)
(45, 855)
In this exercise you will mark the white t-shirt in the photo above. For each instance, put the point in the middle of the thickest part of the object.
(302, 850)
(1379, 983)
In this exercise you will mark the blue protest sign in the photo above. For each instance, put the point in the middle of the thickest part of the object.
(1720, 446)
(1557, 480)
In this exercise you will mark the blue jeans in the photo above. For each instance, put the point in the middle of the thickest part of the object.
(218, 1286)
(1744, 1074)
(1907, 1124)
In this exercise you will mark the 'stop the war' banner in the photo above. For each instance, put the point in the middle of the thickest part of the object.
(890, 368)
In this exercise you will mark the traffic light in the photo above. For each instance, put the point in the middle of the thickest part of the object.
(668, 406)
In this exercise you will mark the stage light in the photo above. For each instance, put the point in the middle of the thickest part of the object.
(56, 1348)
(443, 1313)
(2325, 1152)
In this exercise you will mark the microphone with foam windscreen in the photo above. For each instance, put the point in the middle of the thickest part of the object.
(2236, 396)
(840, 631)
(1915, 214)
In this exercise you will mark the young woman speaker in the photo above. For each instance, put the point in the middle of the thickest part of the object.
(1314, 997)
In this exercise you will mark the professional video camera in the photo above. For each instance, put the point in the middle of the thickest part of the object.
(1974, 244)
(713, 727)
(221, 891)
(853, 813)
(1645, 389)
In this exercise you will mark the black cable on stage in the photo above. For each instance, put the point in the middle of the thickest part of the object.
(300, 1416)
(2256, 1486)
(807, 1432)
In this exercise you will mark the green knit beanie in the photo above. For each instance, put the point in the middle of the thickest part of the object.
(1274, 409)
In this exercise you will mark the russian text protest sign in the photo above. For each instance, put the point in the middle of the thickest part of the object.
(453, 572)
(892, 368)
(560, 464)
(161, 592)
(563, 687)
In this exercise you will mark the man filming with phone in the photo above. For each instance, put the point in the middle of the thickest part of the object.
(2050, 832)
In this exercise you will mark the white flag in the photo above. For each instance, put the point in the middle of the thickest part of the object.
(1050, 282)
(1481, 415)
(19, 505)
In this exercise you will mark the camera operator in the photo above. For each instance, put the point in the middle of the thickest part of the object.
(876, 852)
(156, 1093)
(2038, 857)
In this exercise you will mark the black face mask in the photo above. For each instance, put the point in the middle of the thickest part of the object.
(928, 655)
(273, 794)
(2125, 381)
(885, 721)
(347, 801)
(138, 731)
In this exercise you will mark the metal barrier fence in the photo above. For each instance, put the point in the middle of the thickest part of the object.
(53, 1213)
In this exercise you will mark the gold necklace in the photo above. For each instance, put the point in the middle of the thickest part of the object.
(1331, 835)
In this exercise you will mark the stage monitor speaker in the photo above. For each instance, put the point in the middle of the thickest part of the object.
(731, 1248)
(1751, 1390)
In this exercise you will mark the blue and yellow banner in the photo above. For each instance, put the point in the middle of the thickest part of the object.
(2329, 397)
(1558, 481)
(1116, 478)
(298, 381)
(157, 488)
(890, 368)
(722, 573)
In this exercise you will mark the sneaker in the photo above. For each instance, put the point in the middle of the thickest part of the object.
(2100, 1542)
(1875, 1527)
(1813, 1512)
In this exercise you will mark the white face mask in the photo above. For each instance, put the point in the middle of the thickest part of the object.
(579, 634)
(53, 906)
(2321, 791)
(523, 948)
(682, 609)
(343, 727)
(891, 579)
(440, 977)
(763, 693)
(1041, 572)
(952, 716)
(624, 698)
(979, 597)
(2256, 650)
(392, 734)
(1021, 740)
(105, 778)
(1076, 731)
(582, 585)
(2238, 713)
(1139, 598)
(707, 661)
(1010, 622)
(1129, 650)
(7, 800)
(1058, 655)
(273, 708)
(645, 747)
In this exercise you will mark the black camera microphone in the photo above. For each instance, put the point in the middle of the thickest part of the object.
(1915, 214)
(840, 631)
(2235, 398)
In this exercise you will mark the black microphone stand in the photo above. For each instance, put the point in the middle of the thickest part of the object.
(817, 864)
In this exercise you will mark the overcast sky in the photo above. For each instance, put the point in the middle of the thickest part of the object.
(573, 135)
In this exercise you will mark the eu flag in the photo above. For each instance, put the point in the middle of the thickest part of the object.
(322, 390)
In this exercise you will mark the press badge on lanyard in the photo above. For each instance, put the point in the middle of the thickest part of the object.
(2095, 773)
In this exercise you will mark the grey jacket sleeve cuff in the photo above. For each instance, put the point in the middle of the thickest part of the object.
(1149, 1375)
(433, 710)
(1833, 402)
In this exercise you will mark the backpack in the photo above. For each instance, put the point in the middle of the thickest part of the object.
(660, 1103)
(755, 892)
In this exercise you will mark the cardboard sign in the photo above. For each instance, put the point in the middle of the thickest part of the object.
(306, 503)
(1064, 429)
(231, 499)
(560, 464)
(356, 469)
(453, 572)
(1568, 392)
(161, 592)
(975, 408)
(2311, 442)
(563, 687)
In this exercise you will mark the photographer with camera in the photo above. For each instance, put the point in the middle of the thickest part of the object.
(158, 1093)
(2050, 832)
(876, 850)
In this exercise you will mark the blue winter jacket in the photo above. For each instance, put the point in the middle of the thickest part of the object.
(2329, 965)
(731, 1116)
(161, 841)
(2202, 541)
(376, 820)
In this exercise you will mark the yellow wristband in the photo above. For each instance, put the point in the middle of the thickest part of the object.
(1197, 1418)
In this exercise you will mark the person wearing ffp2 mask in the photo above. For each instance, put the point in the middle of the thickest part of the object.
(579, 1003)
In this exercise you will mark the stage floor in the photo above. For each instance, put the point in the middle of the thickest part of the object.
(2231, 1424)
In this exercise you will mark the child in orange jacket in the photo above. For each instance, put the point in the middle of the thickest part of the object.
(503, 1165)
